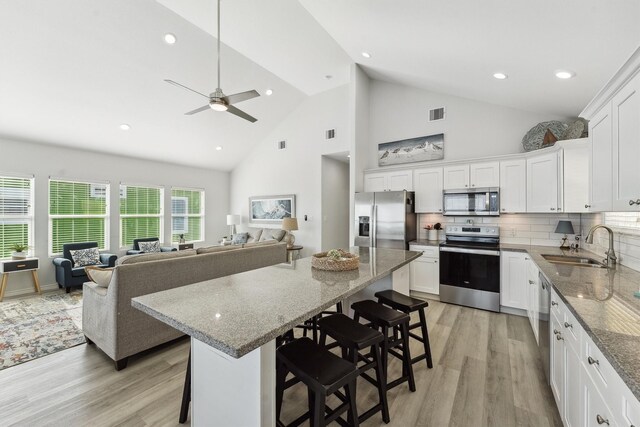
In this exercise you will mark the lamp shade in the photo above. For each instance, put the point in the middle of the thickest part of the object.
(565, 227)
(233, 219)
(290, 224)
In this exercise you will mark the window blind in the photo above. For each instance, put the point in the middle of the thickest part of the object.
(187, 215)
(16, 213)
(78, 212)
(140, 213)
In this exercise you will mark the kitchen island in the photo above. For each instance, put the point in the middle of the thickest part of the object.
(233, 322)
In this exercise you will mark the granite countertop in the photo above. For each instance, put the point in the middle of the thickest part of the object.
(425, 242)
(603, 301)
(239, 313)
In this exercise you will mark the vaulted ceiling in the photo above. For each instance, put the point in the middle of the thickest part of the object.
(72, 71)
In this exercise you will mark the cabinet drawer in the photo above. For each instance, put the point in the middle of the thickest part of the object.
(557, 307)
(15, 265)
(427, 251)
(598, 368)
(630, 410)
(597, 412)
(572, 330)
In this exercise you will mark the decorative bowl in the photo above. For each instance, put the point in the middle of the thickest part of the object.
(346, 261)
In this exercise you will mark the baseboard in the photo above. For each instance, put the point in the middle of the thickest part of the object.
(515, 311)
(10, 293)
(425, 295)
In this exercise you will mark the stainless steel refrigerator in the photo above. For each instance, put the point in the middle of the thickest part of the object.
(385, 219)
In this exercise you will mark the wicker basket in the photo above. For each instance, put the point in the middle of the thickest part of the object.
(348, 261)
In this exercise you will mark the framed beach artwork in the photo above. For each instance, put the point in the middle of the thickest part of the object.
(411, 150)
(270, 210)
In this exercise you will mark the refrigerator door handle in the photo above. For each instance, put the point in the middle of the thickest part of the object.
(374, 220)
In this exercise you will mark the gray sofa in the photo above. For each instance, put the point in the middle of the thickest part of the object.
(119, 330)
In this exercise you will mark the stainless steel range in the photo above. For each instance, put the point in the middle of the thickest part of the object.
(470, 266)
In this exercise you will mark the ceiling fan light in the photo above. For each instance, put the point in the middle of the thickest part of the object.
(218, 106)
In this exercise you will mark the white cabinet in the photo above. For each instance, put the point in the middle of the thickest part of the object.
(626, 147)
(533, 298)
(542, 183)
(484, 174)
(456, 177)
(428, 185)
(513, 186)
(572, 388)
(556, 363)
(513, 280)
(474, 175)
(425, 271)
(576, 156)
(601, 173)
(596, 411)
(388, 181)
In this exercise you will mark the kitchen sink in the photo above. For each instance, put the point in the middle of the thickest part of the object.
(574, 260)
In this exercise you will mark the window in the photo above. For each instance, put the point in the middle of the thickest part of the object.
(187, 215)
(16, 213)
(626, 221)
(141, 213)
(78, 212)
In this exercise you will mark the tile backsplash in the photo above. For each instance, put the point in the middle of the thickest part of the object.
(538, 229)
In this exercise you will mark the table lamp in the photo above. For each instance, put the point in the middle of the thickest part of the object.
(564, 227)
(232, 221)
(289, 225)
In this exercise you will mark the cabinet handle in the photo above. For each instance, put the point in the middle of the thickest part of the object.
(587, 206)
(601, 420)
(559, 337)
(553, 303)
(531, 282)
(503, 209)
(466, 185)
(593, 361)
(568, 325)
(435, 262)
(526, 259)
(439, 210)
(21, 265)
(473, 185)
(634, 202)
(553, 209)
(556, 332)
(559, 209)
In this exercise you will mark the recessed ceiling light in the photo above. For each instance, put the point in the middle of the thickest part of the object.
(328, 77)
(268, 92)
(500, 76)
(125, 126)
(564, 74)
(219, 148)
(170, 38)
(366, 55)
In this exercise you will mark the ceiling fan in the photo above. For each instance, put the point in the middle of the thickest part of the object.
(218, 101)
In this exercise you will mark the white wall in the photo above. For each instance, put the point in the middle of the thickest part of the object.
(44, 161)
(296, 169)
(359, 143)
(471, 129)
(335, 204)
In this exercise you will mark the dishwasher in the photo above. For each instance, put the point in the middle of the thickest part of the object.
(543, 323)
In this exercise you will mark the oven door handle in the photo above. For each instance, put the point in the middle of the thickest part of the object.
(471, 251)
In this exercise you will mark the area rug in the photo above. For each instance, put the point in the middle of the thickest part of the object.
(40, 325)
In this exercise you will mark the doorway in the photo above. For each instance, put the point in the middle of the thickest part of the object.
(335, 201)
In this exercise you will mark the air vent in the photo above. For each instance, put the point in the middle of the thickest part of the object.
(330, 134)
(281, 145)
(436, 114)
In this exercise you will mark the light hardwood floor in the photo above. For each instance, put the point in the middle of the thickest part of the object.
(486, 373)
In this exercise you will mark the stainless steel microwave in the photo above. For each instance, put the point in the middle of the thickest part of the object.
(471, 202)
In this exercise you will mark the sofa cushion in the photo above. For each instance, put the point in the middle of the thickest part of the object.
(239, 238)
(262, 243)
(219, 248)
(79, 271)
(149, 247)
(84, 257)
(254, 235)
(100, 276)
(134, 259)
(278, 235)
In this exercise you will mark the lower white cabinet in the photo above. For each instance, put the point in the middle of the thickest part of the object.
(513, 279)
(533, 298)
(425, 271)
(596, 411)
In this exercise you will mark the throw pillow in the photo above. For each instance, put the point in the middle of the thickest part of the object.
(239, 238)
(101, 276)
(278, 235)
(148, 247)
(82, 257)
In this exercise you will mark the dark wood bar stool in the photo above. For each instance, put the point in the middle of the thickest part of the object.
(312, 324)
(353, 338)
(324, 374)
(408, 305)
(186, 393)
(388, 320)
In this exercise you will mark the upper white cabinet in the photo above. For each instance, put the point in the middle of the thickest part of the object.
(484, 174)
(456, 177)
(542, 183)
(474, 175)
(428, 185)
(626, 147)
(513, 186)
(601, 173)
(575, 176)
(388, 181)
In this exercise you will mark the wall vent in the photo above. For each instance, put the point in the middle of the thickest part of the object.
(330, 134)
(281, 145)
(436, 114)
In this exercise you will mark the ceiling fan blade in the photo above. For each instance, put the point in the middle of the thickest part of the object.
(184, 87)
(242, 96)
(240, 113)
(197, 110)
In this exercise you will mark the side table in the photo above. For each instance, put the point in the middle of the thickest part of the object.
(14, 266)
(293, 253)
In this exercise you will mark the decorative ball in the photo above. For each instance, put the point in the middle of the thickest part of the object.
(534, 138)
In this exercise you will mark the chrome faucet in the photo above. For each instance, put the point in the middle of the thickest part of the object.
(611, 253)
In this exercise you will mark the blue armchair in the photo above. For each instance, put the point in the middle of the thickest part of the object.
(136, 246)
(69, 276)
